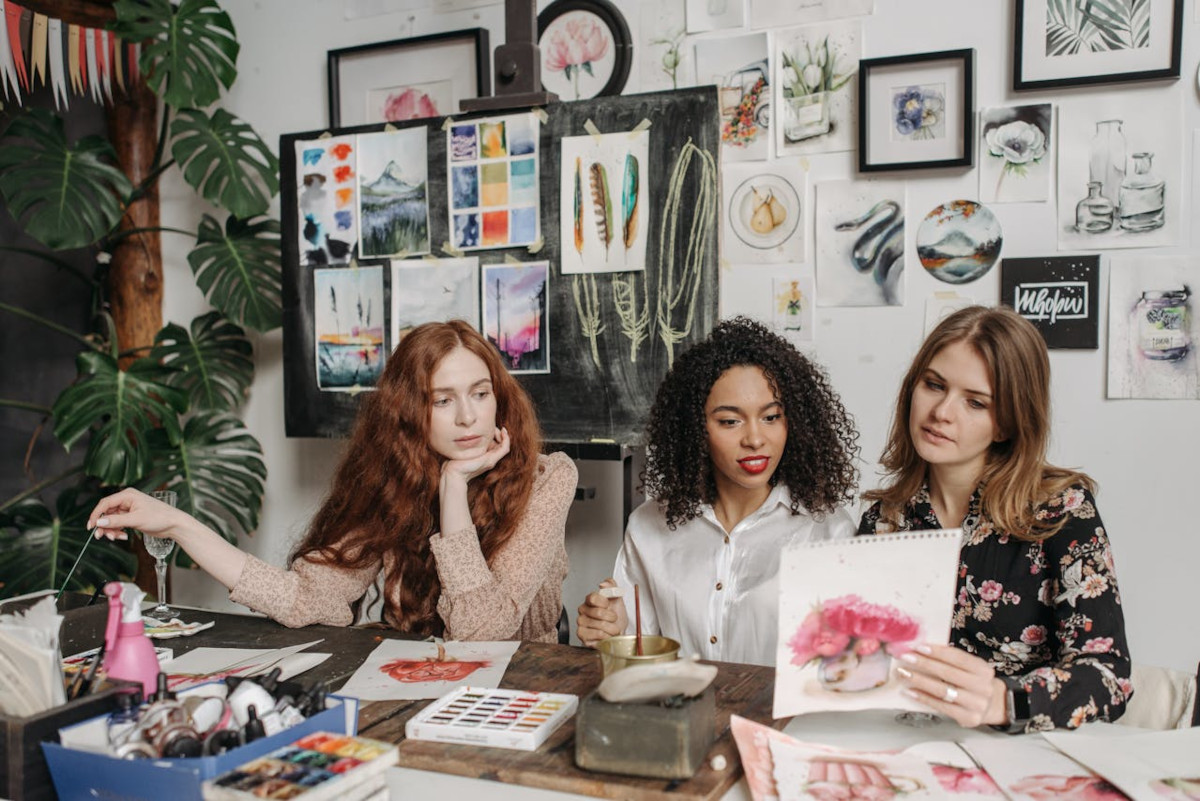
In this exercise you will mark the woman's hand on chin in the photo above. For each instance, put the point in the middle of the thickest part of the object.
(467, 469)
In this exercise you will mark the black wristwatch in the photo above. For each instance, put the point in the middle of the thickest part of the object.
(1017, 706)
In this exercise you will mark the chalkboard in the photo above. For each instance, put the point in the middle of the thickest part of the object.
(599, 390)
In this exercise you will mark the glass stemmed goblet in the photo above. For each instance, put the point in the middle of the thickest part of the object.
(160, 548)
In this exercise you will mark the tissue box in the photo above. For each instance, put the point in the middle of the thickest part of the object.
(24, 775)
(87, 775)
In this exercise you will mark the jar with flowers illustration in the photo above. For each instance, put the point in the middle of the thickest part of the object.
(1140, 204)
(810, 80)
(852, 642)
(1163, 324)
(1094, 214)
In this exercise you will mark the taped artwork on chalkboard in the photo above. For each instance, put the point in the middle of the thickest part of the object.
(349, 327)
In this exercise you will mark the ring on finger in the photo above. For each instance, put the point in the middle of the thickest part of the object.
(951, 694)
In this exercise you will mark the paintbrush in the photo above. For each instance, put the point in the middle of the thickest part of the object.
(637, 620)
(91, 536)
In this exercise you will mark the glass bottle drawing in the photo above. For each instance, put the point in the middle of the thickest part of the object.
(1140, 206)
(1163, 319)
(1094, 213)
(1106, 162)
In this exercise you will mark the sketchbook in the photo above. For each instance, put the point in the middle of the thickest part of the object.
(1154, 766)
(848, 609)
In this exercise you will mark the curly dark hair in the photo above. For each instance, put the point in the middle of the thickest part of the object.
(818, 464)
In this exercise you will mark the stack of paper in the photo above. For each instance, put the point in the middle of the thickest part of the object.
(31, 678)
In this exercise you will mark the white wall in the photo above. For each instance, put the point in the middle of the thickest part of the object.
(1143, 453)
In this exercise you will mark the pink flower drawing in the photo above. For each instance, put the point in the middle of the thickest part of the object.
(850, 623)
(575, 46)
(411, 104)
(1067, 788)
(991, 590)
(1098, 645)
(1033, 635)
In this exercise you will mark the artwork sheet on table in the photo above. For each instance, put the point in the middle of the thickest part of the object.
(762, 212)
(327, 200)
(664, 61)
(516, 314)
(405, 670)
(1015, 154)
(393, 197)
(778, 13)
(1030, 769)
(492, 166)
(1131, 143)
(602, 202)
(433, 290)
(1155, 766)
(860, 243)
(1060, 295)
(739, 66)
(207, 664)
(1153, 328)
(777, 766)
(348, 327)
(815, 91)
(848, 609)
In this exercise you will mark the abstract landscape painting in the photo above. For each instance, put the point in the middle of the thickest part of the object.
(433, 290)
(348, 326)
(515, 314)
(393, 203)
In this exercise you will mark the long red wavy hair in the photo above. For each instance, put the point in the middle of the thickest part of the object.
(384, 496)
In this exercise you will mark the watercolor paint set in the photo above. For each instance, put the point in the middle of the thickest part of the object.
(498, 718)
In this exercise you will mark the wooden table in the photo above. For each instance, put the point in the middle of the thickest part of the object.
(742, 689)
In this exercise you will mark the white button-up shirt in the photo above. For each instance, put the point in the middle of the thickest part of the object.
(716, 593)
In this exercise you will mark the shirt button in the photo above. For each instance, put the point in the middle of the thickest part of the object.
(726, 539)
(713, 639)
(720, 585)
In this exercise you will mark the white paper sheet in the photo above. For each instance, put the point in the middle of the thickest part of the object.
(213, 664)
(405, 670)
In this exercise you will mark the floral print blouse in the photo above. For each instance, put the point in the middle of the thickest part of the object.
(1046, 615)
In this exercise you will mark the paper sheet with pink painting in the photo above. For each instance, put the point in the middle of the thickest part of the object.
(848, 609)
(781, 768)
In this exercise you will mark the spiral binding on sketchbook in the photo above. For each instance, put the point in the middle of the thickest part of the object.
(899, 536)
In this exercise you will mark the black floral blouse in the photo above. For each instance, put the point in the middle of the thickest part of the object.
(1047, 615)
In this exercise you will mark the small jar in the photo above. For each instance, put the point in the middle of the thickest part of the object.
(1094, 213)
(1163, 323)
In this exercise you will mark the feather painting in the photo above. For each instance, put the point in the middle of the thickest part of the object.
(604, 186)
(579, 206)
(601, 203)
(629, 201)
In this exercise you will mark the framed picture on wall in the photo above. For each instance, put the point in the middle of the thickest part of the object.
(916, 111)
(586, 49)
(1060, 43)
(408, 79)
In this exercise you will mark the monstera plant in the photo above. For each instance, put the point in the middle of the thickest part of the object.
(161, 416)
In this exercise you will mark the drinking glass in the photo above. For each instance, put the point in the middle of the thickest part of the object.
(160, 548)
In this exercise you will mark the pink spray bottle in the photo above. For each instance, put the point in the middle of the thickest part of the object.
(128, 652)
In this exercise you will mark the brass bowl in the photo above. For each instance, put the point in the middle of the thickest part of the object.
(617, 653)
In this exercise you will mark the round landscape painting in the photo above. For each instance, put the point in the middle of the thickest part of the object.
(959, 241)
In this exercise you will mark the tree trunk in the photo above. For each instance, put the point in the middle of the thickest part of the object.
(135, 278)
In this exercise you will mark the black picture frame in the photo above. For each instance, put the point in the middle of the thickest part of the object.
(877, 152)
(610, 17)
(1033, 71)
(404, 58)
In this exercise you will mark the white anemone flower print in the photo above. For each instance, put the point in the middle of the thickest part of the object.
(1017, 143)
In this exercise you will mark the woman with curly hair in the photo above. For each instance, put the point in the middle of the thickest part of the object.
(1038, 636)
(442, 488)
(748, 450)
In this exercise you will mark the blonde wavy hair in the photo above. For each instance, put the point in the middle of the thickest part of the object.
(1016, 479)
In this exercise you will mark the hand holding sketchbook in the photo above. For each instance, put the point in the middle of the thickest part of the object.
(849, 608)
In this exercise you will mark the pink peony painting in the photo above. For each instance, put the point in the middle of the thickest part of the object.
(577, 55)
(410, 102)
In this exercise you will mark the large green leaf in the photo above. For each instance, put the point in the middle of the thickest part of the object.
(213, 363)
(120, 408)
(189, 51)
(224, 160)
(38, 546)
(65, 196)
(218, 470)
(240, 269)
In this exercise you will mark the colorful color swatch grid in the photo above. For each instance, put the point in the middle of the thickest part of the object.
(325, 198)
(493, 182)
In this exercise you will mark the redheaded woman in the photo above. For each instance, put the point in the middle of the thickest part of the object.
(442, 489)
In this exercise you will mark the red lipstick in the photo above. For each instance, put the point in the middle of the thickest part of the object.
(754, 464)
